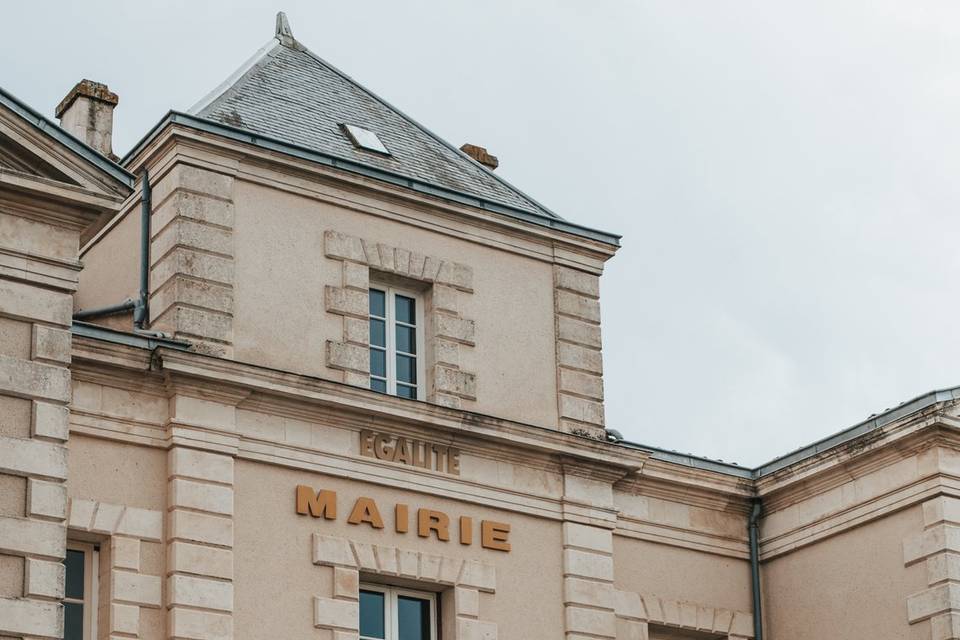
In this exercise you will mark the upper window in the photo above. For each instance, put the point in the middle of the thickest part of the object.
(80, 592)
(396, 339)
(396, 614)
(365, 139)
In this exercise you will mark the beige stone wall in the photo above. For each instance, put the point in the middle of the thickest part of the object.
(111, 268)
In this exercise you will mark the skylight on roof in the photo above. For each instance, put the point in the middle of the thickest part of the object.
(365, 139)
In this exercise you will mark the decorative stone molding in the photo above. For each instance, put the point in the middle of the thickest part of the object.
(939, 547)
(579, 362)
(340, 611)
(635, 612)
(192, 258)
(447, 330)
(127, 527)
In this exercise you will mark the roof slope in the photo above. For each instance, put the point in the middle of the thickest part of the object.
(288, 93)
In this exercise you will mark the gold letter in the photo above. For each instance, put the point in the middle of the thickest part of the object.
(493, 535)
(402, 518)
(321, 504)
(453, 461)
(438, 521)
(380, 447)
(366, 443)
(365, 510)
(466, 530)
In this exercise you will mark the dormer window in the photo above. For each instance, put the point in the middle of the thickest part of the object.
(396, 339)
(365, 139)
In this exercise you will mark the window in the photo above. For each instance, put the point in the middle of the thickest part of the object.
(397, 614)
(80, 594)
(396, 342)
(365, 139)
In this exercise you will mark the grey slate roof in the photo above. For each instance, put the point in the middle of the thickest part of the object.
(288, 93)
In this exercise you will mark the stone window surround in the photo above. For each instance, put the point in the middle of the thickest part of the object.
(124, 528)
(636, 612)
(447, 330)
(340, 612)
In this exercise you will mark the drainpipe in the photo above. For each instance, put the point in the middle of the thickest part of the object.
(754, 531)
(139, 306)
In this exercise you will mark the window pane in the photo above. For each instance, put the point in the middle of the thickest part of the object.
(406, 310)
(74, 567)
(414, 617)
(378, 385)
(72, 620)
(378, 363)
(406, 392)
(371, 614)
(378, 333)
(378, 303)
(406, 339)
(406, 369)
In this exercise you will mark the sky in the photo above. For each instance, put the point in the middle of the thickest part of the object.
(784, 174)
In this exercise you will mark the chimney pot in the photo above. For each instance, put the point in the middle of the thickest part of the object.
(87, 114)
(481, 155)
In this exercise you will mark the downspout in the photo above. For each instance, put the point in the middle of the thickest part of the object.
(139, 306)
(754, 531)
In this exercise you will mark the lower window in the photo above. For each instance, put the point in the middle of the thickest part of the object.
(80, 592)
(387, 613)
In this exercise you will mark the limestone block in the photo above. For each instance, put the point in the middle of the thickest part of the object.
(444, 298)
(455, 382)
(189, 205)
(346, 302)
(34, 379)
(197, 293)
(588, 592)
(201, 412)
(408, 563)
(941, 509)
(346, 583)
(197, 323)
(446, 400)
(356, 379)
(457, 275)
(81, 513)
(125, 553)
(46, 499)
(49, 344)
(31, 303)
(467, 602)
(343, 247)
(629, 605)
(124, 618)
(199, 265)
(184, 232)
(328, 550)
(106, 518)
(340, 614)
(196, 180)
(189, 623)
(201, 465)
(450, 570)
(135, 588)
(945, 626)
(578, 331)
(201, 496)
(742, 624)
(595, 622)
(468, 629)
(33, 458)
(581, 282)
(345, 635)
(581, 383)
(350, 357)
(141, 523)
(577, 357)
(356, 276)
(387, 258)
(593, 492)
(200, 527)
(478, 575)
(447, 352)
(584, 564)
(402, 261)
(22, 617)
(43, 579)
(356, 331)
(183, 557)
(431, 266)
(938, 538)
(581, 535)
(50, 421)
(581, 409)
(430, 567)
(722, 619)
(578, 306)
(199, 592)
(417, 261)
(632, 630)
(453, 328)
(387, 559)
(366, 556)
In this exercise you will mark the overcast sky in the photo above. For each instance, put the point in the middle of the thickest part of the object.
(784, 174)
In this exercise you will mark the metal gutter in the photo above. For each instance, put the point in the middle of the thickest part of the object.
(138, 340)
(326, 159)
(54, 131)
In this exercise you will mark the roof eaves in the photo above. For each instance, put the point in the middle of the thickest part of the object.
(54, 131)
(281, 146)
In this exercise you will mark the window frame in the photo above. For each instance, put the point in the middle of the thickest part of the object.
(390, 296)
(391, 619)
(91, 585)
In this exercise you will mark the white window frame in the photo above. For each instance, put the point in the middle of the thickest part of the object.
(91, 586)
(391, 294)
(391, 619)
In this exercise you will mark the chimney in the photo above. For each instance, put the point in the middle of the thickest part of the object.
(480, 155)
(87, 114)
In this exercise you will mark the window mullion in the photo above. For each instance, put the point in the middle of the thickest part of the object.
(391, 342)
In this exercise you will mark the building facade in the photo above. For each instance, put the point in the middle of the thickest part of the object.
(297, 368)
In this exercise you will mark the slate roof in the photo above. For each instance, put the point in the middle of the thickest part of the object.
(290, 94)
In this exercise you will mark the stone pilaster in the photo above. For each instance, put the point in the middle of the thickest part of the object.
(579, 361)
(192, 258)
(938, 546)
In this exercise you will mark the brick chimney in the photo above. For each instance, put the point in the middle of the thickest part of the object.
(87, 114)
(481, 155)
